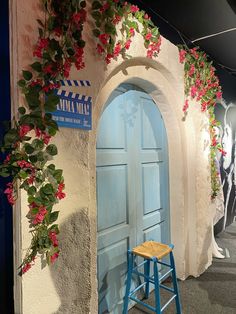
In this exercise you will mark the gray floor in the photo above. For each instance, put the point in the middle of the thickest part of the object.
(214, 292)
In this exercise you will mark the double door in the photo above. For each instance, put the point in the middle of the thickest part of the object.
(132, 189)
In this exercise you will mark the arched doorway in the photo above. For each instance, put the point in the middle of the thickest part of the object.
(132, 187)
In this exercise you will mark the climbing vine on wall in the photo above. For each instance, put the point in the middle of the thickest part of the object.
(202, 84)
(27, 146)
(108, 15)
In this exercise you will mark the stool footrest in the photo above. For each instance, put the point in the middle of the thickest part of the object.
(143, 303)
(168, 302)
(167, 288)
(137, 288)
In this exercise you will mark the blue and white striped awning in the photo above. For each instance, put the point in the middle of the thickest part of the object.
(75, 96)
(77, 83)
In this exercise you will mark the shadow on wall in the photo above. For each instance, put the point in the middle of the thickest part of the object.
(70, 273)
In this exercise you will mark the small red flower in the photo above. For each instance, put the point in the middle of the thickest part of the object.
(59, 194)
(9, 191)
(39, 217)
(104, 38)
(117, 49)
(53, 238)
(148, 36)
(131, 31)
(182, 55)
(134, 8)
(127, 44)
(54, 257)
(26, 268)
(24, 129)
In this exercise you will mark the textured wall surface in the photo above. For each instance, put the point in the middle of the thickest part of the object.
(70, 285)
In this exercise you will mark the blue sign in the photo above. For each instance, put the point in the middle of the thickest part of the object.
(73, 111)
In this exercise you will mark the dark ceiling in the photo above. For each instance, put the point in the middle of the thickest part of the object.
(197, 19)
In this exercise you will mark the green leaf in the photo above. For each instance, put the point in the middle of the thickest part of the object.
(96, 32)
(58, 175)
(23, 174)
(4, 174)
(27, 75)
(51, 103)
(21, 110)
(47, 189)
(29, 149)
(31, 199)
(53, 217)
(11, 137)
(96, 5)
(21, 83)
(51, 167)
(33, 158)
(32, 99)
(51, 149)
(32, 190)
(96, 15)
(110, 29)
(37, 66)
(37, 143)
(54, 228)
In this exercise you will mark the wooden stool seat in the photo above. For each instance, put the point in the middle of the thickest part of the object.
(150, 249)
(151, 254)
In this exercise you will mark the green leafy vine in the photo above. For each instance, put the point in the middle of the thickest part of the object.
(202, 84)
(108, 14)
(27, 145)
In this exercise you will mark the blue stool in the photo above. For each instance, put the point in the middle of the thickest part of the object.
(152, 252)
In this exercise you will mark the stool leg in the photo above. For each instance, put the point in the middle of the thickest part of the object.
(175, 284)
(147, 274)
(157, 287)
(128, 281)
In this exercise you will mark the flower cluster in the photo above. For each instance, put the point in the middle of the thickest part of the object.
(202, 84)
(107, 14)
(27, 144)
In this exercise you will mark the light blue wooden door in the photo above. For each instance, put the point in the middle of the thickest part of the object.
(132, 189)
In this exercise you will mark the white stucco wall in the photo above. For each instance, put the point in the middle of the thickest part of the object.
(70, 285)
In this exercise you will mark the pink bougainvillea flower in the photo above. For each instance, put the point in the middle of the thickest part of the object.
(223, 152)
(48, 69)
(9, 191)
(182, 55)
(39, 217)
(186, 105)
(219, 95)
(131, 31)
(24, 164)
(24, 129)
(134, 8)
(37, 82)
(42, 44)
(148, 36)
(105, 7)
(146, 17)
(193, 91)
(192, 70)
(7, 159)
(54, 257)
(26, 268)
(108, 58)
(104, 38)
(117, 19)
(127, 44)
(117, 49)
(59, 194)
(53, 238)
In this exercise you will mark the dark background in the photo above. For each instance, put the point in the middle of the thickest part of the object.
(6, 240)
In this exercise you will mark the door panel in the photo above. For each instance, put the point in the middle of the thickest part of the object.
(132, 180)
